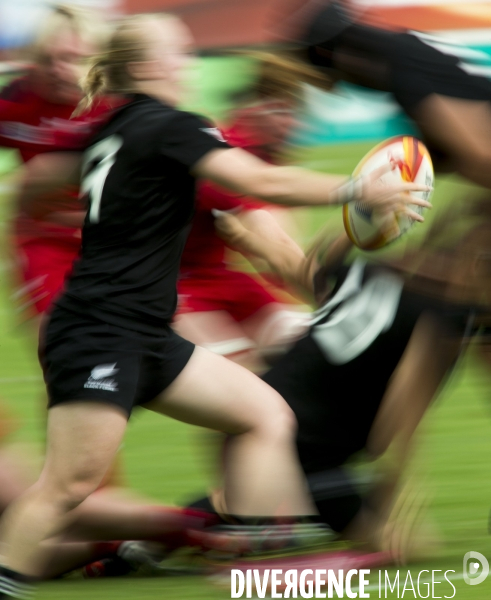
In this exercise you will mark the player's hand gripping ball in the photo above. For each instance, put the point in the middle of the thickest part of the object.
(369, 229)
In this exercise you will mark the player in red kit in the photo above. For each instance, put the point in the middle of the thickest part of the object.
(36, 118)
(231, 312)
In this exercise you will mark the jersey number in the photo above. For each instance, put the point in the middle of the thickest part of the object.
(104, 155)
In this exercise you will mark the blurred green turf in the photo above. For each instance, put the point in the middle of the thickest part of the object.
(165, 459)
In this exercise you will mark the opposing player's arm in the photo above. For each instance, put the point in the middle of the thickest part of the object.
(257, 234)
(292, 186)
(48, 184)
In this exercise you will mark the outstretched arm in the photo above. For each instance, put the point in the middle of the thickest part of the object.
(292, 186)
(257, 234)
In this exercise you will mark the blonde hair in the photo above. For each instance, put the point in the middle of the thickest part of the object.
(81, 22)
(108, 72)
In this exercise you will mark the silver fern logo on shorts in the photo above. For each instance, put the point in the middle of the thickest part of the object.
(101, 378)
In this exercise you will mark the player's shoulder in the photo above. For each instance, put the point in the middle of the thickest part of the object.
(164, 129)
(153, 116)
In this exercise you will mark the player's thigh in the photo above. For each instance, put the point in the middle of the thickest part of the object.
(457, 125)
(82, 440)
(91, 371)
(214, 392)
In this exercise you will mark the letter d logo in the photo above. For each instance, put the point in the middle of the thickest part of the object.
(473, 567)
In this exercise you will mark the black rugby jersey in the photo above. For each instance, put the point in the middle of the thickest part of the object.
(140, 192)
(336, 375)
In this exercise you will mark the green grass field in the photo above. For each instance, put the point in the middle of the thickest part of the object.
(164, 459)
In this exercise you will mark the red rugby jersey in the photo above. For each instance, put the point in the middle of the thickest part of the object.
(204, 249)
(34, 125)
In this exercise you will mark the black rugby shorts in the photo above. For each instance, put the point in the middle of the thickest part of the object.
(87, 359)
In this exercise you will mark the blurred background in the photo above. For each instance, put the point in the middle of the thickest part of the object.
(164, 459)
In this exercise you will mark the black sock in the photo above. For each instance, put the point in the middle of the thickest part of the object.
(15, 585)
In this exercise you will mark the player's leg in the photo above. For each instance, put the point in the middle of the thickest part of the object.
(13, 477)
(262, 473)
(429, 356)
(334, 492)
(13, 474)
(82, 440)
(64, 557)
(115, 515)
(109, 514)
(461, 129)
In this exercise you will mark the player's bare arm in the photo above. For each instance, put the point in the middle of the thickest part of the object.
(259, 235)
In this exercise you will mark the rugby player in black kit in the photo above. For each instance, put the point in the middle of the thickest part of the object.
(378, 349)
(108, 345)
(449, 103)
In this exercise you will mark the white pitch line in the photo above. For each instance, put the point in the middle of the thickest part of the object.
(24, 379)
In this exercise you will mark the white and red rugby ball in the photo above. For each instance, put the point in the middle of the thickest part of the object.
(370, 231)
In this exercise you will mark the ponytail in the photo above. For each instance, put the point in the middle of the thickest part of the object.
(93, 84)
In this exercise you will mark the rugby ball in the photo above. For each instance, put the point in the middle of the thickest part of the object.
(369, 230)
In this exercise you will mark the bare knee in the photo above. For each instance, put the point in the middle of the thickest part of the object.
(68, 492)
(276, 420)
(285, 425)
(73, 494)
